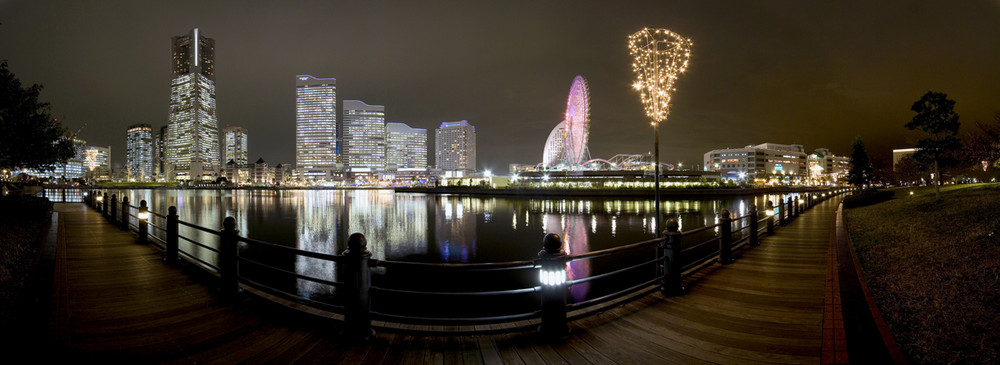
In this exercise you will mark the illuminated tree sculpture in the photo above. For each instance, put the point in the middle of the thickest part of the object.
(659, 56)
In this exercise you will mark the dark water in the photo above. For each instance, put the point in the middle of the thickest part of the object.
(427, 228)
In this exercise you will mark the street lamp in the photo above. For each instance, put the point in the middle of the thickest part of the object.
(659, 56)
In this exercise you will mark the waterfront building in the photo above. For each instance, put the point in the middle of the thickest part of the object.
(192, 146)
(315, 127)
(139, 152)
(455, 146)
(767, 162)
(405, 147)
(363, 138)
(824, 166)
(261, 174)
(235, 145)
(97, 161)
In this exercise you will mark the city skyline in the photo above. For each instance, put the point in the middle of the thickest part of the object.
(810, 74)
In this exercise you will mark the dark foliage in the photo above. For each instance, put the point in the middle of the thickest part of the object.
(29, 136)
(861, 169)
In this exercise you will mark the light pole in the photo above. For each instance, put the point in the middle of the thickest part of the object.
(659, 56)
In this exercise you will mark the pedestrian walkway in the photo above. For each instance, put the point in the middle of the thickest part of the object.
(122, 302)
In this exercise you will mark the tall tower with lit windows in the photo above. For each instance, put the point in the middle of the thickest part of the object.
(192, 144)
(315, 127)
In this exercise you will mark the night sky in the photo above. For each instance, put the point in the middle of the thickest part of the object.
(816, 73)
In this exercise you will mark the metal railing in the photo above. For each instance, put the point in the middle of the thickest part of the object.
(541, 286)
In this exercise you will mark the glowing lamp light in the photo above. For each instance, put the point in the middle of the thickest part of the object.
(143, 216)
(802, 201)
(770, 212)
(488, 173)
(545, 177)
(100, 198)
(911, 193)
(552, 277)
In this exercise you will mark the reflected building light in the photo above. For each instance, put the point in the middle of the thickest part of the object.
(526, 218)
(680, 223)
(514, 221)
(593, 224)
(614, 226)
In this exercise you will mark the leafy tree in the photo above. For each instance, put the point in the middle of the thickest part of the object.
(908, 170)
(861, 169)
(29, 136)
(936, 117)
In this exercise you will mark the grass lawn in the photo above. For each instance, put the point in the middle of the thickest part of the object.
(22, 221)
(934, 270)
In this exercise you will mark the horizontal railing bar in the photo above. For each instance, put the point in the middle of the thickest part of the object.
(594, 308)
(471, 294)
(293, 297)
(697, 230)
(455, 321)
(335, 284)
(612, 296)
(609, 273)
(198, 244)
(200, 228)
(317, 255)
(204, 265)
(155, 214)
(609, 251)
(707, 242)
(489, 266)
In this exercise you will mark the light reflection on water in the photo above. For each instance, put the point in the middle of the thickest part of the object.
(429, 228)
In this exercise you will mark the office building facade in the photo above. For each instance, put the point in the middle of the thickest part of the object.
(363, 137)
(192, 145)
(139, 152)
(235, 145)
(315, 126)
(405, 147)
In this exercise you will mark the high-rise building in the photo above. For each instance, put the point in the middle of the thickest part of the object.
(315, 126)
(405, 147)
(159, 153)
(139, 152)
(363, 137)
(763, 161)
(455, 146)
(235, 146)
(193, 137)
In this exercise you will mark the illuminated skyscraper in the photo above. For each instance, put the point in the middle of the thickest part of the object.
(363, 138)
(315, 126)
(159, 153)
(193, 137)
(139, 152)
(455, 146)
(235, 145)
(405, 147)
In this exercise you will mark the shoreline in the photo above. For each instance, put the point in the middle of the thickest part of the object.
(529, 192)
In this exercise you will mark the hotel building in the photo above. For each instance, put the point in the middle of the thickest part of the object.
(455, 146)
(405, 147)
(363, 138)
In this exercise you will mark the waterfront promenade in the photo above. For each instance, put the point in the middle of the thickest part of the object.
(116, 300)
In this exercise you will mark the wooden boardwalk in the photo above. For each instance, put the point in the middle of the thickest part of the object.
(116, 300)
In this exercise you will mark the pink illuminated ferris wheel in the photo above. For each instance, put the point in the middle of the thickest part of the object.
(577, 122)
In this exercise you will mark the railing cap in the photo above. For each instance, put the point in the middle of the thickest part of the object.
(172, 210)
(672, 226)
(724, 214)
(229, 224)
(142, 204)
(357, 245)
(552, 247)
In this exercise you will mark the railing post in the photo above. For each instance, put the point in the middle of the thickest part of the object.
(357, 282)
(228, 257)
(113, 217)
(725, 238)
(171, 255)
(791, 210)
(124, 222)
(552, 260)
(754, 226)
(780, 211)
(671, 246)
(770, 217)
(143, 220)
(104, 205)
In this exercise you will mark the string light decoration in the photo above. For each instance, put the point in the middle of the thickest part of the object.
(659, 56)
